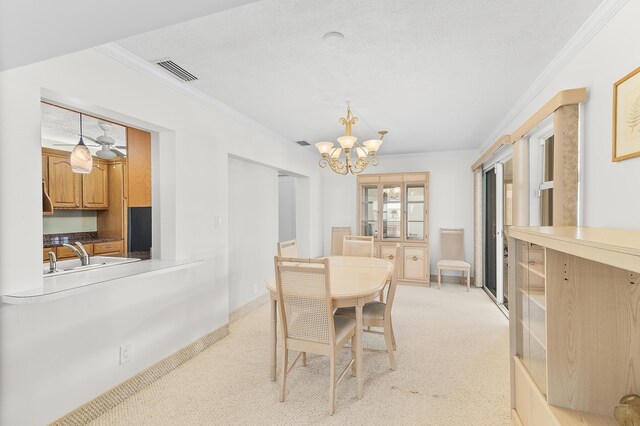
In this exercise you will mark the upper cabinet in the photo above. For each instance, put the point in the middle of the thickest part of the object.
(95, 194)
(69, 190)
(139, 167)
(64, 185)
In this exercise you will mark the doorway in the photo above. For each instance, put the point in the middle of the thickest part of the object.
(498, 216)
(490, 279)
(286, 207)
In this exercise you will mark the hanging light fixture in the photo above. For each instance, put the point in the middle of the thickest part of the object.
(81, 160)
(343, 164)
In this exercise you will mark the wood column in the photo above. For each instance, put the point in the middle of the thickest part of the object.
(565, 166)
(521, 182)
(478, 272)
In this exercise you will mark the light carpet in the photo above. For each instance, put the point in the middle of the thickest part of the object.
(453, 369)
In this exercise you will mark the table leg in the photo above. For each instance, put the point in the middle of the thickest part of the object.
(274, 339)
(359, 350)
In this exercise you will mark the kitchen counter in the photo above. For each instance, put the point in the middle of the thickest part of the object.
(57, 240)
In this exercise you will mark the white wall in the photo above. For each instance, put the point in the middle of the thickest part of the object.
(610, 189)
(56, 356)
(253, 229)
(450, 195)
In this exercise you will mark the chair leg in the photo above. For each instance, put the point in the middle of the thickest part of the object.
(332, 384)
(304, 359)
(439, 279)
(354, 352)
(285, 367)
(393, 335)
(388, 339)
(468, 279)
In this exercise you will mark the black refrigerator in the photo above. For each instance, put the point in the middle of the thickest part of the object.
(140, 229)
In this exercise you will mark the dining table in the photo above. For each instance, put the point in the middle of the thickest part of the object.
(354, 282)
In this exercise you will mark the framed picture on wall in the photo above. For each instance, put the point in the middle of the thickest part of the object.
(626, 117)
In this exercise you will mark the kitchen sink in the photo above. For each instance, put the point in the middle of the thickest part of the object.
(95, 262)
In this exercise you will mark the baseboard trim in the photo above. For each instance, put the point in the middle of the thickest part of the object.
(247, 308)
(93, 409)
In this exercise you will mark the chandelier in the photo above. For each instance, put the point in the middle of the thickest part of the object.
(342, 164)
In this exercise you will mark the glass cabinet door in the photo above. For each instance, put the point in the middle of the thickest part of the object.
(391, 212)
(369, 211)
(415, 212)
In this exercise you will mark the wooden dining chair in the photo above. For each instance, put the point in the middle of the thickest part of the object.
(337, 238)
(357, 246)
(288, 248)
(378, 314)
(452, 254)
(307, 320)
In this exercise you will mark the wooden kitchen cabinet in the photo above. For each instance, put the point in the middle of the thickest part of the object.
(111, 247)
(139, 167)
(69, 190)
(63, 252)
(65, 187)
(95, 193)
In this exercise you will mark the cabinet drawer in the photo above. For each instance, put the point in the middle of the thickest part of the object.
(65, 252)
(388, 253)
(109, 247)
(45, 253)
(415, 263)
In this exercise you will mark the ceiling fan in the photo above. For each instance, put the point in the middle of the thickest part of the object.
(108, 148)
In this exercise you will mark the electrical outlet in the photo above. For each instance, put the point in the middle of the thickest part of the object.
(125, 354)
(255, 288)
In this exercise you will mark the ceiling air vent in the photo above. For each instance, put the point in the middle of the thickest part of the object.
(176, 70)
(303, 143)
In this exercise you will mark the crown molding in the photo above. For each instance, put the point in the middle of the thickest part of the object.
(135, 62)
(592, 26)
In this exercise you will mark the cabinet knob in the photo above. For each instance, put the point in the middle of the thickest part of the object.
(415, 258)
(391, 257)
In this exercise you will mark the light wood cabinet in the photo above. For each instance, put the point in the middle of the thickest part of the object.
(574, 315)
(415, 264)
(64, 185)
(394, 209)
(95, 193)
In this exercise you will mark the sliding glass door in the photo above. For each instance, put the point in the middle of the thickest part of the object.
(498, 185)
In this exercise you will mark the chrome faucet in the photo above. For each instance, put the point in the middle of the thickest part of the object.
(82, 253)
(52, 262)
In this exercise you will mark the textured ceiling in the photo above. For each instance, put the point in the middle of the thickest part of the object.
(437, 74)
(61, 126)
(35, 30)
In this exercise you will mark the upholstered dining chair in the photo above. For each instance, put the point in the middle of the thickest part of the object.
(378, 314)
(307, 320)
(357, 246)
(288, 248)
(452, 254)
(337, 238)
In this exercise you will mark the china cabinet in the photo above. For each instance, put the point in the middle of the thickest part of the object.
(574, 324)
(394, 209)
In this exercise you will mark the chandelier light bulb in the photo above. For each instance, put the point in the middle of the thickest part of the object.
(324, 147)
(346, 142)
(372, 145)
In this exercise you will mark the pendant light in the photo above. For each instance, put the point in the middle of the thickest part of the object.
(81, 160)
